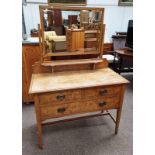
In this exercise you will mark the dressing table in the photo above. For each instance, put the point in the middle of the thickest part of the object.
(67, 90)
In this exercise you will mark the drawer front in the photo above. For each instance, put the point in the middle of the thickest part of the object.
(60, 97)
(54, 111)
(101, 92)
(100, 104)
(79, 107)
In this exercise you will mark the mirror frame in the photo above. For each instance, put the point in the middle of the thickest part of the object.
(69, 8)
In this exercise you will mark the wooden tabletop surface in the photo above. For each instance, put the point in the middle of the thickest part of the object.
(48, 82)
(125, 52)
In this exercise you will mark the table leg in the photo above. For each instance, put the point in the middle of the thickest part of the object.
(120, 64)
(38, 119)
(118, 116)
(40, 143)
(119, 110)
(115, 67)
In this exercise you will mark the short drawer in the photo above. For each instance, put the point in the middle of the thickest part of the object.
(60, 110)
(108, 102)
(97, 92)
(54, 111)
(101, 104)
(79, 107)
(59, 97)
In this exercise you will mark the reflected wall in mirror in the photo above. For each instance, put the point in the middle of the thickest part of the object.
(71, 30)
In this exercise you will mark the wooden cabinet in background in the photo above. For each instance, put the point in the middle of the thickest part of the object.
(30, 54)
(108, 48)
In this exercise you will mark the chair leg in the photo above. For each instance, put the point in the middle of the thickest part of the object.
(115, 63)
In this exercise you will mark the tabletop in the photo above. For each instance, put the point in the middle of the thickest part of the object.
(125, 52)
(48, 82)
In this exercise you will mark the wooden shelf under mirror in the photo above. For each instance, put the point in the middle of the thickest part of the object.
(71, 62)
(80, 52)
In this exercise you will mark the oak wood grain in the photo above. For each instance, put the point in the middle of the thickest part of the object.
(48, 82)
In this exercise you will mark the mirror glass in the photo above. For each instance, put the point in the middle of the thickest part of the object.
(71, 30)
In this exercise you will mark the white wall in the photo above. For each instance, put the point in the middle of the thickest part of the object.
(116, 17)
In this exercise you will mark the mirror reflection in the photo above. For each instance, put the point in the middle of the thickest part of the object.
(74, 31)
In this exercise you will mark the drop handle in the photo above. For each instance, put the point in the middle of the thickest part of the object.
(101, 104)
(61, 110)
(60, 97)
(103, 92)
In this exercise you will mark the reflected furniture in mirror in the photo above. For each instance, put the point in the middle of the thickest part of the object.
(75, 39)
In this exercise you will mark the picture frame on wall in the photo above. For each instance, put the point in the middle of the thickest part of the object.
(125, 3)
(68, 2)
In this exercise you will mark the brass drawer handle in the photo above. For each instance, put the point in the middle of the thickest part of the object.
(61, 110)
(101, 104)
(60, 97)
(103, 92)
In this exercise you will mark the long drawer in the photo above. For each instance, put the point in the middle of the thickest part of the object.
(79, 107)
(69, 96)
